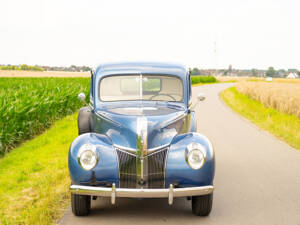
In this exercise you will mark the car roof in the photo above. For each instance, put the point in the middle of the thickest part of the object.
(142, 68)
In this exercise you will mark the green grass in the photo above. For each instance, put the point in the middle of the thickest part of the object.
(284, 126)
(203, 79)
(34, 177)
(28, 106)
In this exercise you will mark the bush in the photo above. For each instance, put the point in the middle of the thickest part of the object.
(203, 79)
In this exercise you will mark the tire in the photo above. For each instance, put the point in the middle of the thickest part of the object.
(202, 205)
(81, 204)
(84, 120)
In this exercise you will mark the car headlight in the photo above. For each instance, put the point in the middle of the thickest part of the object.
(87, 156)
(195, 155)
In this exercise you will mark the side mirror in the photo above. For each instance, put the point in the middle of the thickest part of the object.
(201, 97)
(81, 97)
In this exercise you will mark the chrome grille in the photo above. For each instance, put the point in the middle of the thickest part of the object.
(155, 177)
(156, 169)
(127, 169)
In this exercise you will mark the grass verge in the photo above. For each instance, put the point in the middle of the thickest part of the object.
(34, 177)
(284, 126)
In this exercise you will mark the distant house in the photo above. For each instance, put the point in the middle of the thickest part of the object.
(269, 78)
(292, 75)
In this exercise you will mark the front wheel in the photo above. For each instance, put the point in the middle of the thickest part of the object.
(202, 205)
(81, 204)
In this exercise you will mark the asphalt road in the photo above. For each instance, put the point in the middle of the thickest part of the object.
(257, 178)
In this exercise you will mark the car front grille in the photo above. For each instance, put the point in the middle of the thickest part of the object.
(127, 169)
(155, 172)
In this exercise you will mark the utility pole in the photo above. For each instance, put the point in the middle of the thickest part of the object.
(215, 57)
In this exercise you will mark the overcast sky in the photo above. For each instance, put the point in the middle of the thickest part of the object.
(207, 34)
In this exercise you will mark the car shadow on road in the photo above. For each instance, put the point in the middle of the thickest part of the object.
(154, 210)
(134, 206)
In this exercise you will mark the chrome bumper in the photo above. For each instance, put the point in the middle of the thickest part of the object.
(114, 192)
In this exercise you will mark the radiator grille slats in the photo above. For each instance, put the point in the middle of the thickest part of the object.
(156, 169)
(127, 167)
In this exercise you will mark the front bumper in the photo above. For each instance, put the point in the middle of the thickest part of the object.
(114, 192)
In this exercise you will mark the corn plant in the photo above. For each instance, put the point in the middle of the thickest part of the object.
(28, 106)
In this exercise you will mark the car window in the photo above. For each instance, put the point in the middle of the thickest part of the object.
(141, 87)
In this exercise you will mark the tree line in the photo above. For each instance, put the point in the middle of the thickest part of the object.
(71, 68)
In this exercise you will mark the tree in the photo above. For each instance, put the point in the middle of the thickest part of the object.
(254, 72)
(195, 71)
(271, 72)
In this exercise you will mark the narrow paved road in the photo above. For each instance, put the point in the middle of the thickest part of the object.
(257, 178)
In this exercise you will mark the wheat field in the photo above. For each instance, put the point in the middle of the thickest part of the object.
(245, 78)
(284, 97)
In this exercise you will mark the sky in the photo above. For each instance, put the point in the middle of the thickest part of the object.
(205, 34)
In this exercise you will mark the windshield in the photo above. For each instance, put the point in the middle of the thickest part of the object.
(141, 87)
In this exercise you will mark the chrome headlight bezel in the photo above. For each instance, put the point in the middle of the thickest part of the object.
(195, 148)
(87, 149)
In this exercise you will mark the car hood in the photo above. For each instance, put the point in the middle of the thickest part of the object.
(153, 127)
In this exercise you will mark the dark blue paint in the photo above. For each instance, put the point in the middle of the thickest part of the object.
(111, 128)
(138, 68)
(177, 169)
(107, 167)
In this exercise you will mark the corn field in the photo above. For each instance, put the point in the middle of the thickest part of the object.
(284, 97)
(28, 106)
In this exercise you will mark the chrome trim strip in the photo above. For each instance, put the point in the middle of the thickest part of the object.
(113, 194)
(165, 168)
(140, 192)
(141, 145)
(171, 195)
(125, 149)
(127, 152)
(134, 151)
(156, 149)
(118, 165)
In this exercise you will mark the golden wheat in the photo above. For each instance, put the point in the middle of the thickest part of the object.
(245, 78)
(284, 97)
(235, 78)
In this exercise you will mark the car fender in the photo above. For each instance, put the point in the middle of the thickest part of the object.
(106, 169)
(178, 172)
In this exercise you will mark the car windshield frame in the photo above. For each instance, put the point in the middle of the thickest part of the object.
(141, 77)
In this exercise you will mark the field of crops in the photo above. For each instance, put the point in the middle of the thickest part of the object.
(26, 73)
(284, 97)
(28, 106)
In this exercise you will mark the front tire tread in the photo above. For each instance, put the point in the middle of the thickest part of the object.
(81, 204)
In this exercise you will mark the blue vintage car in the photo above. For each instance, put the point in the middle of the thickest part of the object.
(138, 139)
